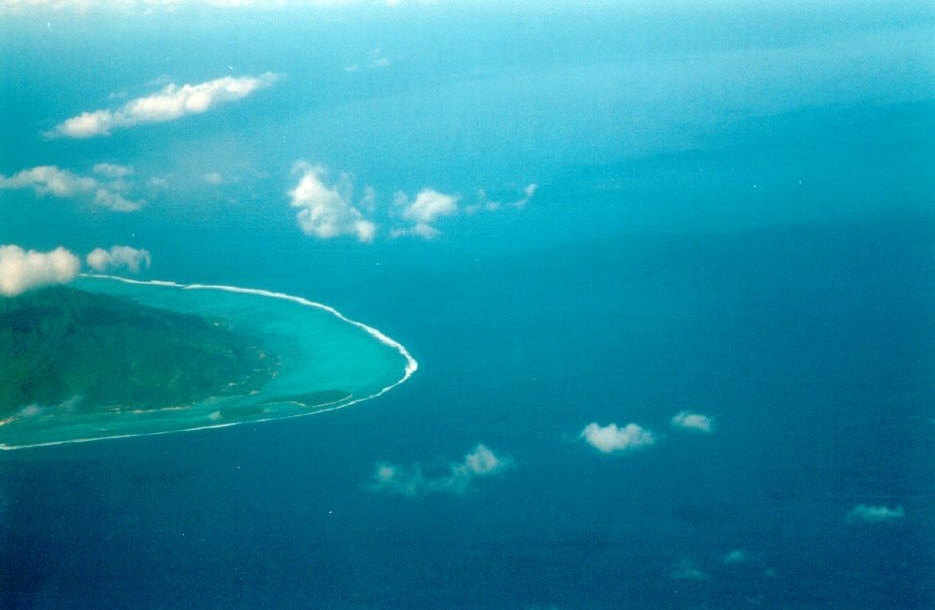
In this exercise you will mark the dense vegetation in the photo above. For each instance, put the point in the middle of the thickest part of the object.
(95, 352)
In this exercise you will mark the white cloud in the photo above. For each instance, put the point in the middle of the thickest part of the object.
(119, 257)
(50, 180)
(874, 514)
(687, 571)
(378, 60)
(693, 421)
(112, 170)
(328, 207)
(168, 104)
(428, 206)
(481, 462)
(22, 270)
(158, 183)
(419, 230)
(326, 211)
(488, 205)
(369, 200)
(528, 192)
(213, 178)
(483, 203)
(610, 438)
(115, 201)
(735, 556)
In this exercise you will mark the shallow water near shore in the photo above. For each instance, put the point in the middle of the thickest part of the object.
(326, 362)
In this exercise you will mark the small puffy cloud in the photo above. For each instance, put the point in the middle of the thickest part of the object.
(528, 193)
(874, 514)
(480, 462)
(610, 438)
(170, 103)
(115, 201)
(395, 479)
(734, 557)
(484, 204)
(112, 170)
(86, 125)
(49, 180)
(378, 60)
(428, 206)
(213, 178)
(686, 570)
(328, 206)
(693, 421)
(53, 181)
(325, 211)
(420, 230)
(22, 270)
(369, 200)
(119, 257)
(375, 61)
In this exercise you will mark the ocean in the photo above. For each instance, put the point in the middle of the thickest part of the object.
(735, 225)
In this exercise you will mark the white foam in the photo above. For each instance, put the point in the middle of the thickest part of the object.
(411, 364)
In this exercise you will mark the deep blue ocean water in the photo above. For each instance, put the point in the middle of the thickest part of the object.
(811, 346)
(736, 223)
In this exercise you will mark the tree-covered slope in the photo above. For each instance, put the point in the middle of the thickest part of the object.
(101, 352)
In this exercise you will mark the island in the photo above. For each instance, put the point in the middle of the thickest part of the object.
(107, 357)
(61, 345)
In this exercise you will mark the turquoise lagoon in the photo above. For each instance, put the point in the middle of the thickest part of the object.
(326, 362)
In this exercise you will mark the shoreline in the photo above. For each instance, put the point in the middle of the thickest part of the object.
(412, 364)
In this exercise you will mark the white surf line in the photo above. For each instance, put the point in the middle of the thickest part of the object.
(411, 364)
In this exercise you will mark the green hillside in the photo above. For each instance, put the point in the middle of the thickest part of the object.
(98, 352)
